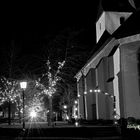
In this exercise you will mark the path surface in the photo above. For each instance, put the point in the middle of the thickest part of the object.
(29, 125)
(62, 130)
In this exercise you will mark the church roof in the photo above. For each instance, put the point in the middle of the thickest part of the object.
(117, 5)
(130, 27)
(114, 6)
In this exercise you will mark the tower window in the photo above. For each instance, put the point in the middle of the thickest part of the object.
(122, 19)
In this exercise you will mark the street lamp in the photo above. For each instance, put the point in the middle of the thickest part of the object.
(23, 86)
(33, 114)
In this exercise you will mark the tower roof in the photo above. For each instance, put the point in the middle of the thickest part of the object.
(115, 6)
(130, 27)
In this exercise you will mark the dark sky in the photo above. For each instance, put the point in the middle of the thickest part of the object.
(28, 27)
(32, 21)
(49, 18)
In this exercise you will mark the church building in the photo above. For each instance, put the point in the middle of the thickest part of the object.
(108, 85)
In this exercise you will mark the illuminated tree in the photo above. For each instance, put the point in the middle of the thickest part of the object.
(9, 92)
(63, 48)
(48, 83)
(9, 72)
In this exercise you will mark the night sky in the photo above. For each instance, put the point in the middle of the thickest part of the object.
(30, 30)
(49, 19)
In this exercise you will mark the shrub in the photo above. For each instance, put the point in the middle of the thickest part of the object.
(131, 120)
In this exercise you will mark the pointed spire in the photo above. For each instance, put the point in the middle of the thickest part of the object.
(115, 6)
(132, 3)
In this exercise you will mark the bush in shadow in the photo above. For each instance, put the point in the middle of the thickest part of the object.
(131, 120)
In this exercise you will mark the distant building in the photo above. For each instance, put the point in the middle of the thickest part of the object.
(108, 86)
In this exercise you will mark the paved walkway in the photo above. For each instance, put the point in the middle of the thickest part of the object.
(36, 125)
(67, 131)
(29, 125)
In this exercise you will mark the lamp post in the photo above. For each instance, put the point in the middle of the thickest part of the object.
(23, 86)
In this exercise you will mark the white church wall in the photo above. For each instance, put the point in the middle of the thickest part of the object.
(131, 78)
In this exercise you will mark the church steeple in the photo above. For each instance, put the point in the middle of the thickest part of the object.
(111, 14)
(132, 3)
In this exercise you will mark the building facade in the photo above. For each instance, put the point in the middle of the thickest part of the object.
(108, 86)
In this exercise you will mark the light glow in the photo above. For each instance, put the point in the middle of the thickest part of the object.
(76, 102)
(115, 109)
(90, 90)
(106, 93)
(76, 108)
(23, 85)
(76, 123)
(85, 92)
(78, 95)
(33, 114)
(112, 96)
(65, 106)
(98, 90)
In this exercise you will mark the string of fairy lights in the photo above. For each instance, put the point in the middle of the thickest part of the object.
(9, 90)
(113, 97)
(52, 79)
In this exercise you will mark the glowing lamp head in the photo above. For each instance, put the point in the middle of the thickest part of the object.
(23, 85)
(33, 114)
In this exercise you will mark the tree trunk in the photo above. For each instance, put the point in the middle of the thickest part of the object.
(9, 112)
(50, 112)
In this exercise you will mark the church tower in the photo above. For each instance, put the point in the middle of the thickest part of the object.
(111, 14)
